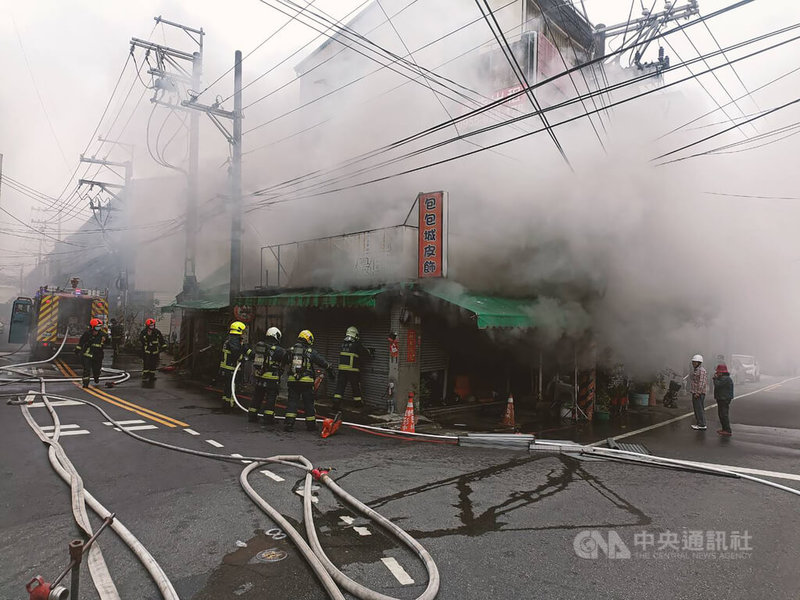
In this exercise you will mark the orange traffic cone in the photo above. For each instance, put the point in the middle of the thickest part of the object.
(408, 418)
(508, 417)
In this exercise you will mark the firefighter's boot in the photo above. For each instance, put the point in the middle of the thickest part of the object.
(269, 419)
(311, 424)
(252, 416)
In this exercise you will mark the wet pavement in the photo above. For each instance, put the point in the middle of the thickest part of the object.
(499, 524)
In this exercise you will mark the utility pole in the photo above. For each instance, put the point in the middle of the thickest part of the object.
(167, 81)
(234, 138)
(236, 182)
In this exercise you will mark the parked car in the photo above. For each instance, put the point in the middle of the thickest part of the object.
(744, 368)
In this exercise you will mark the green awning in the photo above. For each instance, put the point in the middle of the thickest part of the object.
(490, 311)
(349, 299)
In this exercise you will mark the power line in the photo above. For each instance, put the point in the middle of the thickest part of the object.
(704, 115)
(363, 77)
(719, 133)
(735, 72)
(516, 138)
(508, 52)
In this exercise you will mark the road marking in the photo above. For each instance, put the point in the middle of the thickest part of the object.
(398, 571)
(214, 443)
(72, 432)
(363, 531)
(131, 422)
(314, 499)
(55, 403)
(690, 414)
(137, 427)
(115, 400)
(52, 427)
(191, 431)
(272, 475)
(247, 462)
(348, 520)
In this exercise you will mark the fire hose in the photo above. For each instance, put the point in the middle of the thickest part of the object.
(328, 574)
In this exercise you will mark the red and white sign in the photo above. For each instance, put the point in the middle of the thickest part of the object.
(411, 346)
(432, 255)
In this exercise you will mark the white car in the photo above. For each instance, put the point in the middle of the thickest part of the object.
(744, 368)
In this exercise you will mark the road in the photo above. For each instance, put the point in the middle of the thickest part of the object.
(499, 524)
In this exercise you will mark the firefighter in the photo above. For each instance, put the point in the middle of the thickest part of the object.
(234, 350)
(268, 365)
(350, 367)
(152, 343)
(90, 349)
(117, 337)
(302, 360)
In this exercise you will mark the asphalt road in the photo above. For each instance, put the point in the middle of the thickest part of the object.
(499, 524)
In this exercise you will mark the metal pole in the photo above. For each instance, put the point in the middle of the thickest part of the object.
(236, 182)
(189, 274)
(76, 554)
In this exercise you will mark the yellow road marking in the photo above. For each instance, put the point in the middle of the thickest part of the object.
(117, 401)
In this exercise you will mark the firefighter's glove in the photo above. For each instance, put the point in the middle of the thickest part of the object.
(331, 373)
(77, 350)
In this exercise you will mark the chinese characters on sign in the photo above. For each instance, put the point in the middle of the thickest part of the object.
(411, 346)
(686, 544)
(432, 235)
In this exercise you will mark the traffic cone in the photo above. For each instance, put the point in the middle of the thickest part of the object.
(508, 417)
(408, 418)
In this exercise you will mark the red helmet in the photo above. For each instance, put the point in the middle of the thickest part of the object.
(150, 323)
(95, 323)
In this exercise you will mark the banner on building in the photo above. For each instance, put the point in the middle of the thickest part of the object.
(432, 257)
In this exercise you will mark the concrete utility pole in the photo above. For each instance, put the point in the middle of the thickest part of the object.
(235, 172)
(167, 81)
(236, 182)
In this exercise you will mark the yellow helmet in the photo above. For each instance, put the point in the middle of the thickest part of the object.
(237, 327)
(307, 336)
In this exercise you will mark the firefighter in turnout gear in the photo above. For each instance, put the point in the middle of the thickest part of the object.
(302, 360)
(90, 349)
(350, 368)
(269, 362)
(153, 343)
(234, 350)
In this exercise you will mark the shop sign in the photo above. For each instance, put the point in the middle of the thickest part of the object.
(432, 255)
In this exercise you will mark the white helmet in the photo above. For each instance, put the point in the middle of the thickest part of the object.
(697, 358)
(274, 332)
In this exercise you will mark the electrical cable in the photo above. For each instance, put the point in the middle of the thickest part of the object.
(520, 75)
(735, 72)
(361, 78)
(712, 136)
(515, 95)
(516, 138)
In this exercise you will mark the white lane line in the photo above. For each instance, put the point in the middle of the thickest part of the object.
(690, 414)
(347, 520)
(131, 422)
(362, 531)
(272, 475)
(247, 462)
(314, 499)
(137, 427)
(191, 431)
(56, 403)
(51, 427)
(71, 432)
(398, 571)
(214, 443)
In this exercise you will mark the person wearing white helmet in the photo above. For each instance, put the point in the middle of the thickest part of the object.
(269, 362)
(698, 385)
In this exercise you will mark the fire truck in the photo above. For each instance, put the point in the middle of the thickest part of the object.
(53, 313)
